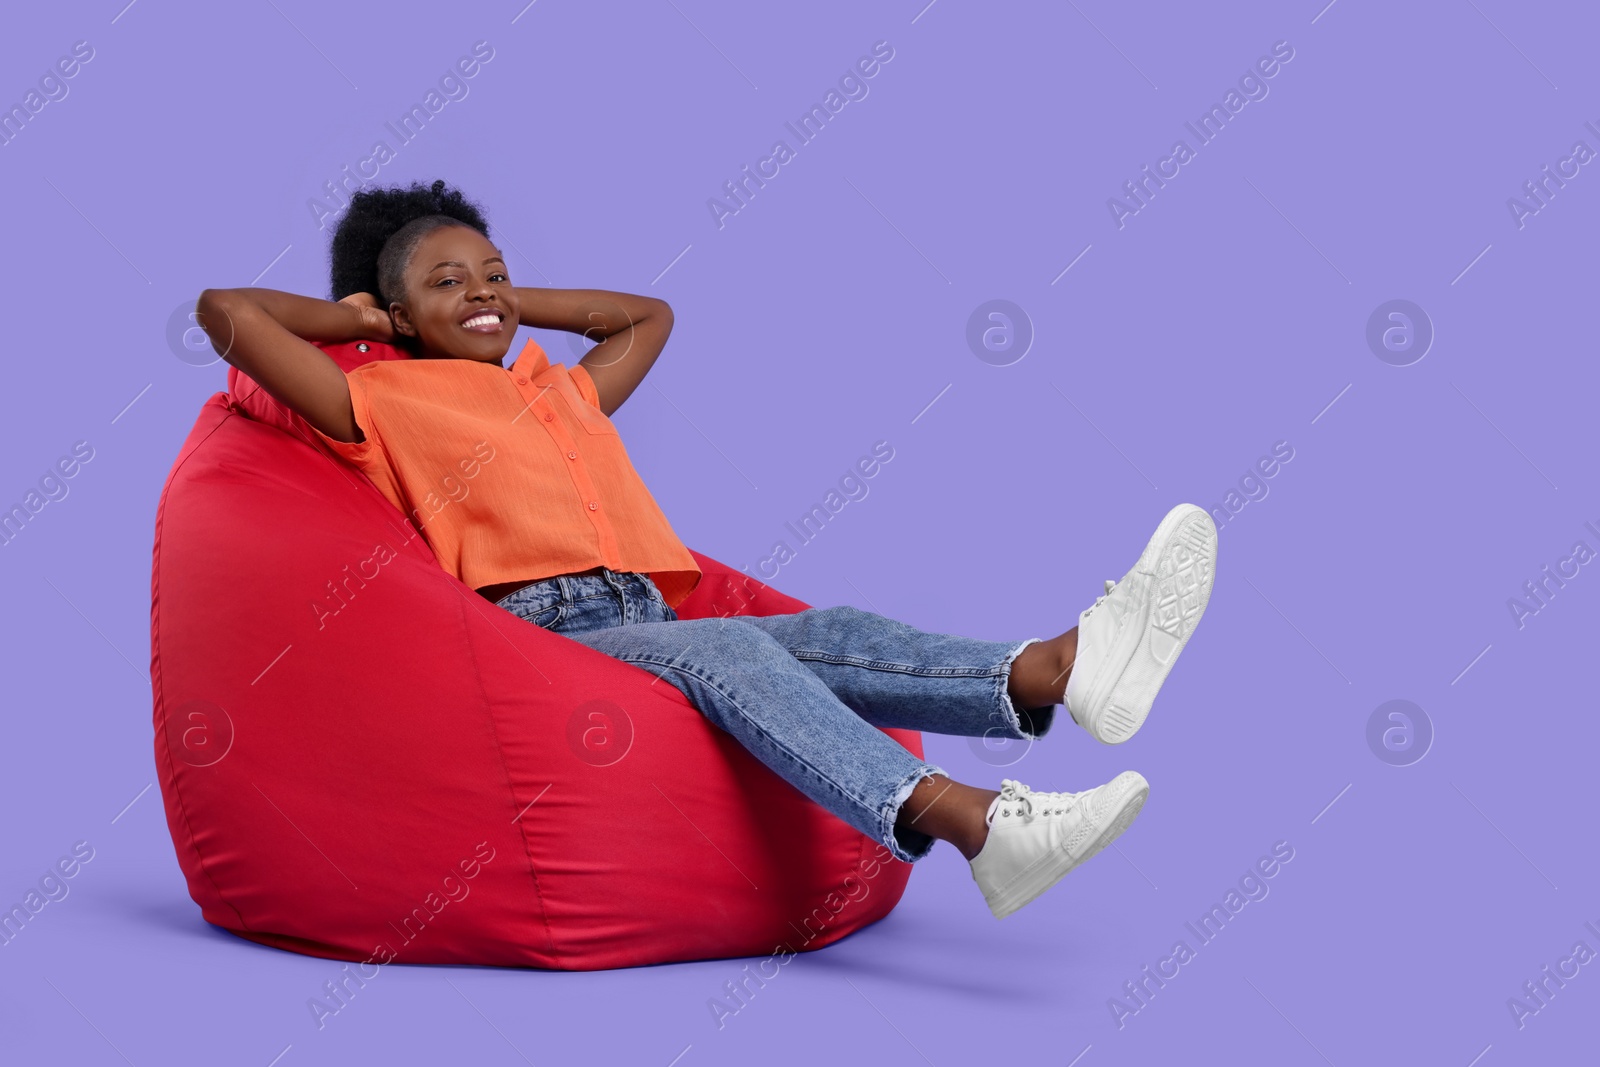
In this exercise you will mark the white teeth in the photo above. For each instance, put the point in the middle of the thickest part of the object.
(482, 320)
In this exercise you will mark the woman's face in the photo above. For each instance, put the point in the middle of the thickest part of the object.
(459, 300)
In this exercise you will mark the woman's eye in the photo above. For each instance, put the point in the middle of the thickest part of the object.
(493, 277)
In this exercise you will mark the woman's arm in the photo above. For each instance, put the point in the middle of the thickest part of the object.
(267, 335)
(630, 330)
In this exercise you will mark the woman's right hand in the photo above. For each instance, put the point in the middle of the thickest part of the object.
(376, 325)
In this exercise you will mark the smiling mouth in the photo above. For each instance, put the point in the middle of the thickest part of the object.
(484, 322)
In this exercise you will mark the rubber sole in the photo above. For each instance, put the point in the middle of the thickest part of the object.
(1180, 561)
(1129, 792)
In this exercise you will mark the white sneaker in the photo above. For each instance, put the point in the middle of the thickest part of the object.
(1130, 637)
(1036, 838)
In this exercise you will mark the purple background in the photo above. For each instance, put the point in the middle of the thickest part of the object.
(1224, 317)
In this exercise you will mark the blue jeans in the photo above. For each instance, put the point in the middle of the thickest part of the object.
(805, 692)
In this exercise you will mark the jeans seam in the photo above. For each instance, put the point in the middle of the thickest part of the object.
(560, 607)
(891, 667)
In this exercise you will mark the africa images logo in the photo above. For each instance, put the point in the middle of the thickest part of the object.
(1253, 886)
(1208, 127)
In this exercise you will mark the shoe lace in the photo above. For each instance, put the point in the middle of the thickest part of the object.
(1030, 802)
(1101, 599)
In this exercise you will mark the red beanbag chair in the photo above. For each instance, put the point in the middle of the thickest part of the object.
(362, 759)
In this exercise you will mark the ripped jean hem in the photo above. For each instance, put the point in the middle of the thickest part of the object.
(1029, 723)
(907, 844)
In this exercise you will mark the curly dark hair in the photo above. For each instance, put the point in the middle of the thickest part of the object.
(381, 229)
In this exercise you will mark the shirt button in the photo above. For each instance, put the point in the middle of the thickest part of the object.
(594, 505)
(521, 380)
(549, 417)
(572, 455)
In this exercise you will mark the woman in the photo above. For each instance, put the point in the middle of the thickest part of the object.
(546, 517)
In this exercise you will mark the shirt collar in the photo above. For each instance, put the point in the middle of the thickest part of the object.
(531, 361)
